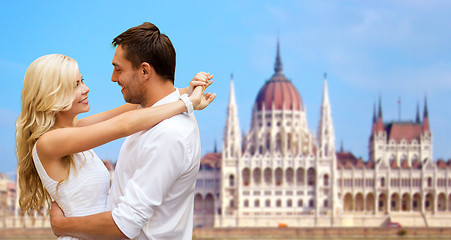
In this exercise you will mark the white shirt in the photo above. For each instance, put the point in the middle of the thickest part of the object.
(152, 194)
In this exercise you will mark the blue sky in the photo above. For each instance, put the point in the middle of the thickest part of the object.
(392, 49)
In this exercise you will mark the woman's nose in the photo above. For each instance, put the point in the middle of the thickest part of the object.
(85, 89)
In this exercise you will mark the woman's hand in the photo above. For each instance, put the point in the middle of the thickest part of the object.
(201, 79)
(205, 98)
(196, 90)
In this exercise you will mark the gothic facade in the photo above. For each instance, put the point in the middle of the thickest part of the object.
(280, 174)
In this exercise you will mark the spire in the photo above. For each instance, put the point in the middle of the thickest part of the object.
(216, 147)
(374, 125)
(417, 118)
(374, 114)
(232, 132)
(380, 124)
(380, 107)
(278, 65)
(426, 127)
(326, 135)
(425, 113)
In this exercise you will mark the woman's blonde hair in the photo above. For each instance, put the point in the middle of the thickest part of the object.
(48, 89)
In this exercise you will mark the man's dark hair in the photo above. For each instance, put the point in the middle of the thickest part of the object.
(145, 43)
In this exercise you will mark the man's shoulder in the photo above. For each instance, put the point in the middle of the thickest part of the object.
(178, 125)
(182, 120)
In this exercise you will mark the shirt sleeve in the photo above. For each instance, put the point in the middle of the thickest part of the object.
(160, 164)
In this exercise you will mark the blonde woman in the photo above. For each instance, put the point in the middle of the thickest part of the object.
(54, 149)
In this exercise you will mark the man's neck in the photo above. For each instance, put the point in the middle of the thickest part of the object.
(155, 94)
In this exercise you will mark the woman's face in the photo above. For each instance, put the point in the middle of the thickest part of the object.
(81, 103)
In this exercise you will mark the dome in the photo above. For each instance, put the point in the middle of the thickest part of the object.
(278, 91)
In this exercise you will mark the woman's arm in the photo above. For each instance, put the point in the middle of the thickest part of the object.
(65, 141)
(99, 117)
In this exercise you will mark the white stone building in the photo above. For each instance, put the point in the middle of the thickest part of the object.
(280, 174)
(7, 195)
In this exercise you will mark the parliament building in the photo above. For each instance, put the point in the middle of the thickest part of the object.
(280, 174)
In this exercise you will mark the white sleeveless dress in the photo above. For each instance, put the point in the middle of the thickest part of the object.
(85, 192)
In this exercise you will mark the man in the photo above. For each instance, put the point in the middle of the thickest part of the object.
(152, 192)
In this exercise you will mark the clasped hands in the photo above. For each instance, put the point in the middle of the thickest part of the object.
(196, 90)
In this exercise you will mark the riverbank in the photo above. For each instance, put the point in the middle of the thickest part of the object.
(272, 233)
(321, 233)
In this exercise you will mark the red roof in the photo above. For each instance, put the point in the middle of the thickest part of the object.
(211, 160)
(403, 130)
(280, 92)
(416, 164)
(394, 164)
(360, 164)
(346, 160)
(441, 164)
(405, 164)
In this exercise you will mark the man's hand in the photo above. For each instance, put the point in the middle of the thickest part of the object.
(56, 216)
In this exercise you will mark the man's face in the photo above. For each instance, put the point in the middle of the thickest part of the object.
(127, 77)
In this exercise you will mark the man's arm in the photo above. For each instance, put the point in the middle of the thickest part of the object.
(97, 226)
(158, 169)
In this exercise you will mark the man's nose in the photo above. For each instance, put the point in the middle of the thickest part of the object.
(113, 77)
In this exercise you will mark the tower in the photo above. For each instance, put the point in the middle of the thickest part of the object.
(326, 158)
(231, 153)
(326, 136)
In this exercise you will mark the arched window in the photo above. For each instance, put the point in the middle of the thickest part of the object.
(300, 203)
(257, 203)
(311, 203)
(382, 182)
(268, 203)
(300, 176)
(246, 176)
(289, 175)
(278, 142)
(311, 177)
(326, 180)
(257, 176)
(289, 203)
(429, 182)
(231, 180)
(278, 176)
(278, 203)
(268, 142)
(198, 204)
(252, 150)
(246, 203)
(268, 176)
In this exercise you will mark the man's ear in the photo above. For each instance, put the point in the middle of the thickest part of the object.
(146, 70)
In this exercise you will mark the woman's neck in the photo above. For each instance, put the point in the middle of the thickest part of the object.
(63, 121)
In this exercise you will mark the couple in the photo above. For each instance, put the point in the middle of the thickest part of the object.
(151, 196)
